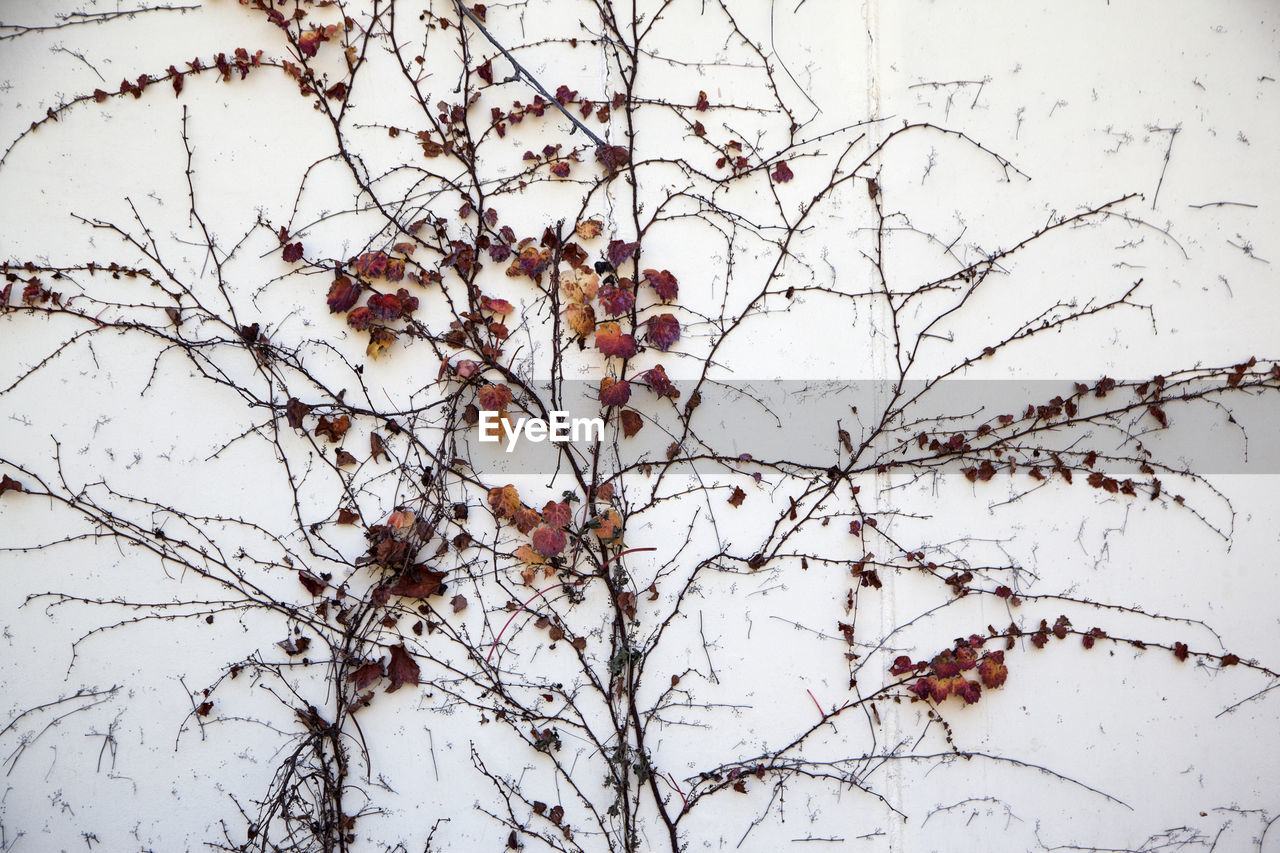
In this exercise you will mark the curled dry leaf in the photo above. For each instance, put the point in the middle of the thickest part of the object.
(295, 410)
(333, 428)
(631, 422)
(402, 669)
(379, 339)
(365, 674)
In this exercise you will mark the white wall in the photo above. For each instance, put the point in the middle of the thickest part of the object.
(1074, 95)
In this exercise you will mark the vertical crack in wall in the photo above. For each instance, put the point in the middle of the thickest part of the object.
(883, 360)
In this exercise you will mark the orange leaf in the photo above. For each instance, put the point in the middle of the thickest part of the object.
(611, 341)
(505, 501)
(589, 229)
(581, 318)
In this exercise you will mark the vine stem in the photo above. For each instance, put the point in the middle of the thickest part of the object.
(525, 603)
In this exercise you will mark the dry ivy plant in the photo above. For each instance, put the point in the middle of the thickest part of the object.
(499, 222)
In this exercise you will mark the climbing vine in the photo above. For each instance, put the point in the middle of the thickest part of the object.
(479, 446)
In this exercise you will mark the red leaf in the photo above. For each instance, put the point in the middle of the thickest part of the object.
(8, 484)
(343, 294)
(658, 381)
(620, 251)
(346, 516)
(782, 173)
(293, 253)
(402, 669)
(385, 306)
(992, 670)
(611, 341)
(309, 42)
(662, 331)
(1180, 651)
(557, 514)
(204, 708)
(372, 264)
(902, 664)
(702, 104)
(486, 71)
(549, 542)
(664, 283)
(360, 319)
(1230, 660)
(613, 157)
(616, 299)
(969, 691)
(613, 392)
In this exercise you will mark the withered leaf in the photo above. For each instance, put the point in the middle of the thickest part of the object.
(314, 585)
(738, 496)
(458, 602)
(8, 484)
(402, 669)
(345, 458)
(631, 422)
(295, 410)
(365, 675)
(294, 646)
(333, 428)
(377, 448)
(419, 582)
